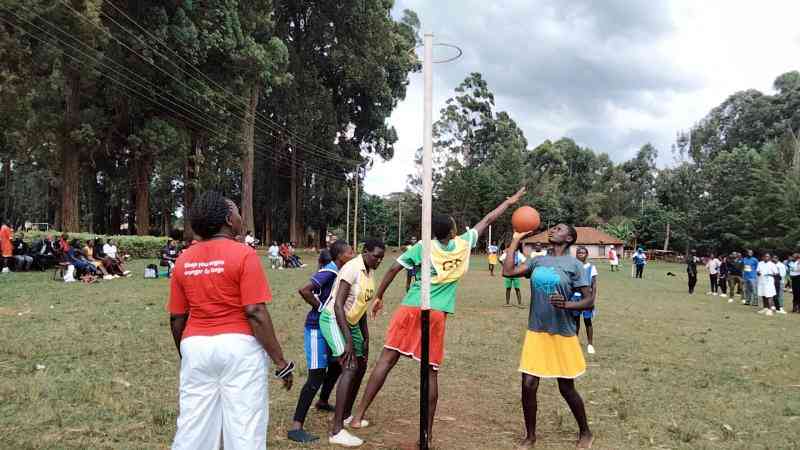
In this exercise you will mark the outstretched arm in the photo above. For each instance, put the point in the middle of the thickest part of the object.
(377, 304)
(490, 218)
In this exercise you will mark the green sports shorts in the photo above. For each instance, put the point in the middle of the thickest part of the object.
(334, 337)
(511, 283)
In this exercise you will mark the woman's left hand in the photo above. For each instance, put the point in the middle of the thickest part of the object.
(558, 301)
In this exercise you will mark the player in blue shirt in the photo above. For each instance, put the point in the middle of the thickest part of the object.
(322, 370)
(750, 278)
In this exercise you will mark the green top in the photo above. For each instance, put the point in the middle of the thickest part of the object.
(443, 295)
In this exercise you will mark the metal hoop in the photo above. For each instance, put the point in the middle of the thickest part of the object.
(446, 60)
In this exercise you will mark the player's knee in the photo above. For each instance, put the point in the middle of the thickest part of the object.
(530, 383)
(566, 388)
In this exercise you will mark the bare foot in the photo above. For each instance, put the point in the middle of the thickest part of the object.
(585, 440)
(527, 443)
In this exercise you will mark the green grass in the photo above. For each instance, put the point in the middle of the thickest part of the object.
(672, 371)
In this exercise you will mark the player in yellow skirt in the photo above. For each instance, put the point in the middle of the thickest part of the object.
(491, 251)
(551, 348)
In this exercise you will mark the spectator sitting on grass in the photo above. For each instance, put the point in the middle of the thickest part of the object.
(250, 240)
(112, 266)
(286, 254)
(88, 252)
(111, 251)
(22, 253)
(274, 256)
(296, 261)
(63, 244)
(78, 259)
(44, 252)
(169, 255)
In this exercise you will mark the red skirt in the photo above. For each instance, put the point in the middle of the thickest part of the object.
(405, 334)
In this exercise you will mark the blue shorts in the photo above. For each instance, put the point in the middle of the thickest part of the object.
(586, 313)
(316, 349)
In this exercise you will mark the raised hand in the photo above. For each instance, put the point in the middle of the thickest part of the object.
(516, 197)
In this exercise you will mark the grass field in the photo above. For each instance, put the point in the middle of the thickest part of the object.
(672, 371)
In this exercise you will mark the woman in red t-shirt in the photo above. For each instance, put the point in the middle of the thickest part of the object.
(221, 326)
(6, 248)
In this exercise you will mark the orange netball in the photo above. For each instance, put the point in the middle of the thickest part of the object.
(525, 219)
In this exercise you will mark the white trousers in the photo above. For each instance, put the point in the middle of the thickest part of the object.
(223, 390)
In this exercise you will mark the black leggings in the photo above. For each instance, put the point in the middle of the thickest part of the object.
(639, 270)
(796, 294)
(692, 282)
(325, 378)
(713, 278)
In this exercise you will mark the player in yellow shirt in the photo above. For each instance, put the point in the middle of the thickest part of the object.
(343, 324)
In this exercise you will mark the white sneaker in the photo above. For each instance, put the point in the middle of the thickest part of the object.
(590, 349)
(126, 273)
(715, 294)
(781, 311)
(345, 439)
(108, 277)
(723, 295)
(730, 300)
(744, 302)
(6, 270)
(772, 308)
(770, 313)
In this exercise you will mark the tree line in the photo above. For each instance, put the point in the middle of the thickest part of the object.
(735, 182)
(116, 113)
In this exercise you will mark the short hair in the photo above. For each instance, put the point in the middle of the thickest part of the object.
(573, 233)
(441, 226)
(325, 257)
(209, 213)
(337, 248)
(582, 248)
(372, 244)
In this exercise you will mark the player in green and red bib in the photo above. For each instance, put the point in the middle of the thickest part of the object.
(449, 263)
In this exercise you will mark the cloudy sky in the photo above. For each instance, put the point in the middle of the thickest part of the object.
(611, 74)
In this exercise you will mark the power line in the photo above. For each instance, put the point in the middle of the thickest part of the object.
(189, 118)
(266, 121)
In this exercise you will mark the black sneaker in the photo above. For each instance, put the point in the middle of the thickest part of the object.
(301, 436)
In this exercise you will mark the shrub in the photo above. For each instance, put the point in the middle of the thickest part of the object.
(136, 246)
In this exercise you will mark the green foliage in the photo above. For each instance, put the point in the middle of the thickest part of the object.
(148, 247)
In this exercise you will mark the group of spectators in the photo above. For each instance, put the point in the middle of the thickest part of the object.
(760, 282)
(92, 260)
(283, 256)
(87, 261)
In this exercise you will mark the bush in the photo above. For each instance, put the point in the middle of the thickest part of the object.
(136, 246)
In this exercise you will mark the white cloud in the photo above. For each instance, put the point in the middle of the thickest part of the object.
(612, 74)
